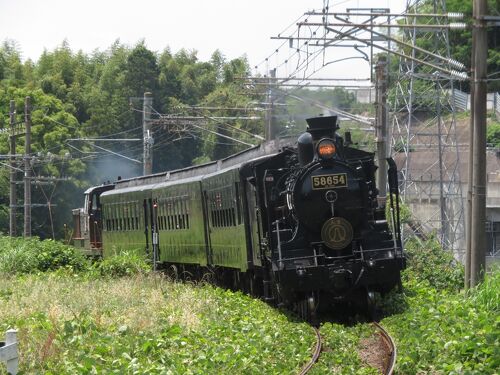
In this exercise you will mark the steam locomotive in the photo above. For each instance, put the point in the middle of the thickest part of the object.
(297, 223)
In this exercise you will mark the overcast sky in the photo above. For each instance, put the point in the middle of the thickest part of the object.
(235, 27)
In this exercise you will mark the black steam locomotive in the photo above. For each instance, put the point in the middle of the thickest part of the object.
(297, 224)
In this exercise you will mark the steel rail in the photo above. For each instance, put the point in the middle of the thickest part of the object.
(389, 342)
(316, 354)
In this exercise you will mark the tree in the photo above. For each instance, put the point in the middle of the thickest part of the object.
(11, 68)
(461, 40)
(141, 71)
(100, 94)
(52, 126)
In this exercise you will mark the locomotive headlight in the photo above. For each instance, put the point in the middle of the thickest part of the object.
(326, 149)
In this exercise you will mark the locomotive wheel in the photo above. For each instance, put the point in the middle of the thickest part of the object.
(172, 272)
(186, 275)
(208, 277)
(306, 308)
(371, 308)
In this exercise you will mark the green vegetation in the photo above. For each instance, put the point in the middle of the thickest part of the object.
(437, 327)
(146, 324)
(116, 316)
(428, 263)
(24, 256)
(18, 256)
(93, 95)
(493, 134)
(460, 41)
(448, 332)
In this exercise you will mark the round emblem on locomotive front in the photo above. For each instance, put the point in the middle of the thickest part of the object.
(336, 233)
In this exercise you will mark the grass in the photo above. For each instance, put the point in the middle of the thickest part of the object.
(145, 324)
(342, 346)
(115, 316)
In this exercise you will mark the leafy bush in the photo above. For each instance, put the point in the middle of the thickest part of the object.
(19, 255)
(443, 332)
(428, 261)
(125, 263)
(493, 134)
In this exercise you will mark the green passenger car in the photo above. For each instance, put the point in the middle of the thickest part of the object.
(124, 219)
(178, 219)
(225, 219)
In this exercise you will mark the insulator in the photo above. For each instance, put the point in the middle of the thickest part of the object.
(457, 25)
(459, 75)
(456, 64)
(455, 15)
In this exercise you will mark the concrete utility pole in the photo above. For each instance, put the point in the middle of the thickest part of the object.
(13, 197)
(27, 168)
(381, 125)
(147, 134)
(478, 221)
(269, 130)
(468, 217)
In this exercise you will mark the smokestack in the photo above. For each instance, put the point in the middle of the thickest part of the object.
(322, 127)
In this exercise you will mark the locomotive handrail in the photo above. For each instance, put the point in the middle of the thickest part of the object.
(377, 249)
(397, 250)
(304, 257)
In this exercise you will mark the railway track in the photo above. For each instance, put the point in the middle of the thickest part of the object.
(316, 353)
(389, 361)
(391, 349)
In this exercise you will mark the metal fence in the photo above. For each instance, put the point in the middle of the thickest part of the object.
(461, 100)
(496, 103)
(8, 352)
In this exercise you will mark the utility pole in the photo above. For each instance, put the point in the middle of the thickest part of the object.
(468, 217)
(381, 124)
(147, 134)
(478, 220)
(27, 168)
(269, 130)
(13, 198)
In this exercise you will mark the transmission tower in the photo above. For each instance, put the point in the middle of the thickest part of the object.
(424, 128)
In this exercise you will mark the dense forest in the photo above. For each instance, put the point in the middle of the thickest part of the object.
(99, 95)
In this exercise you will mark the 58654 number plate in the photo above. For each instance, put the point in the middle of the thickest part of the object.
(329, 181)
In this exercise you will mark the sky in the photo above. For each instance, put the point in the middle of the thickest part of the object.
(235, 27)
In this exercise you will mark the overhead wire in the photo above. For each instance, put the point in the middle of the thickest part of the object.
(322, 50)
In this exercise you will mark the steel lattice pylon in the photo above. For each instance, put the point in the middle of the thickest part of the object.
(424, 131)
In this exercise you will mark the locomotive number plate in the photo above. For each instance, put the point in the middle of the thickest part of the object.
(329, 181)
